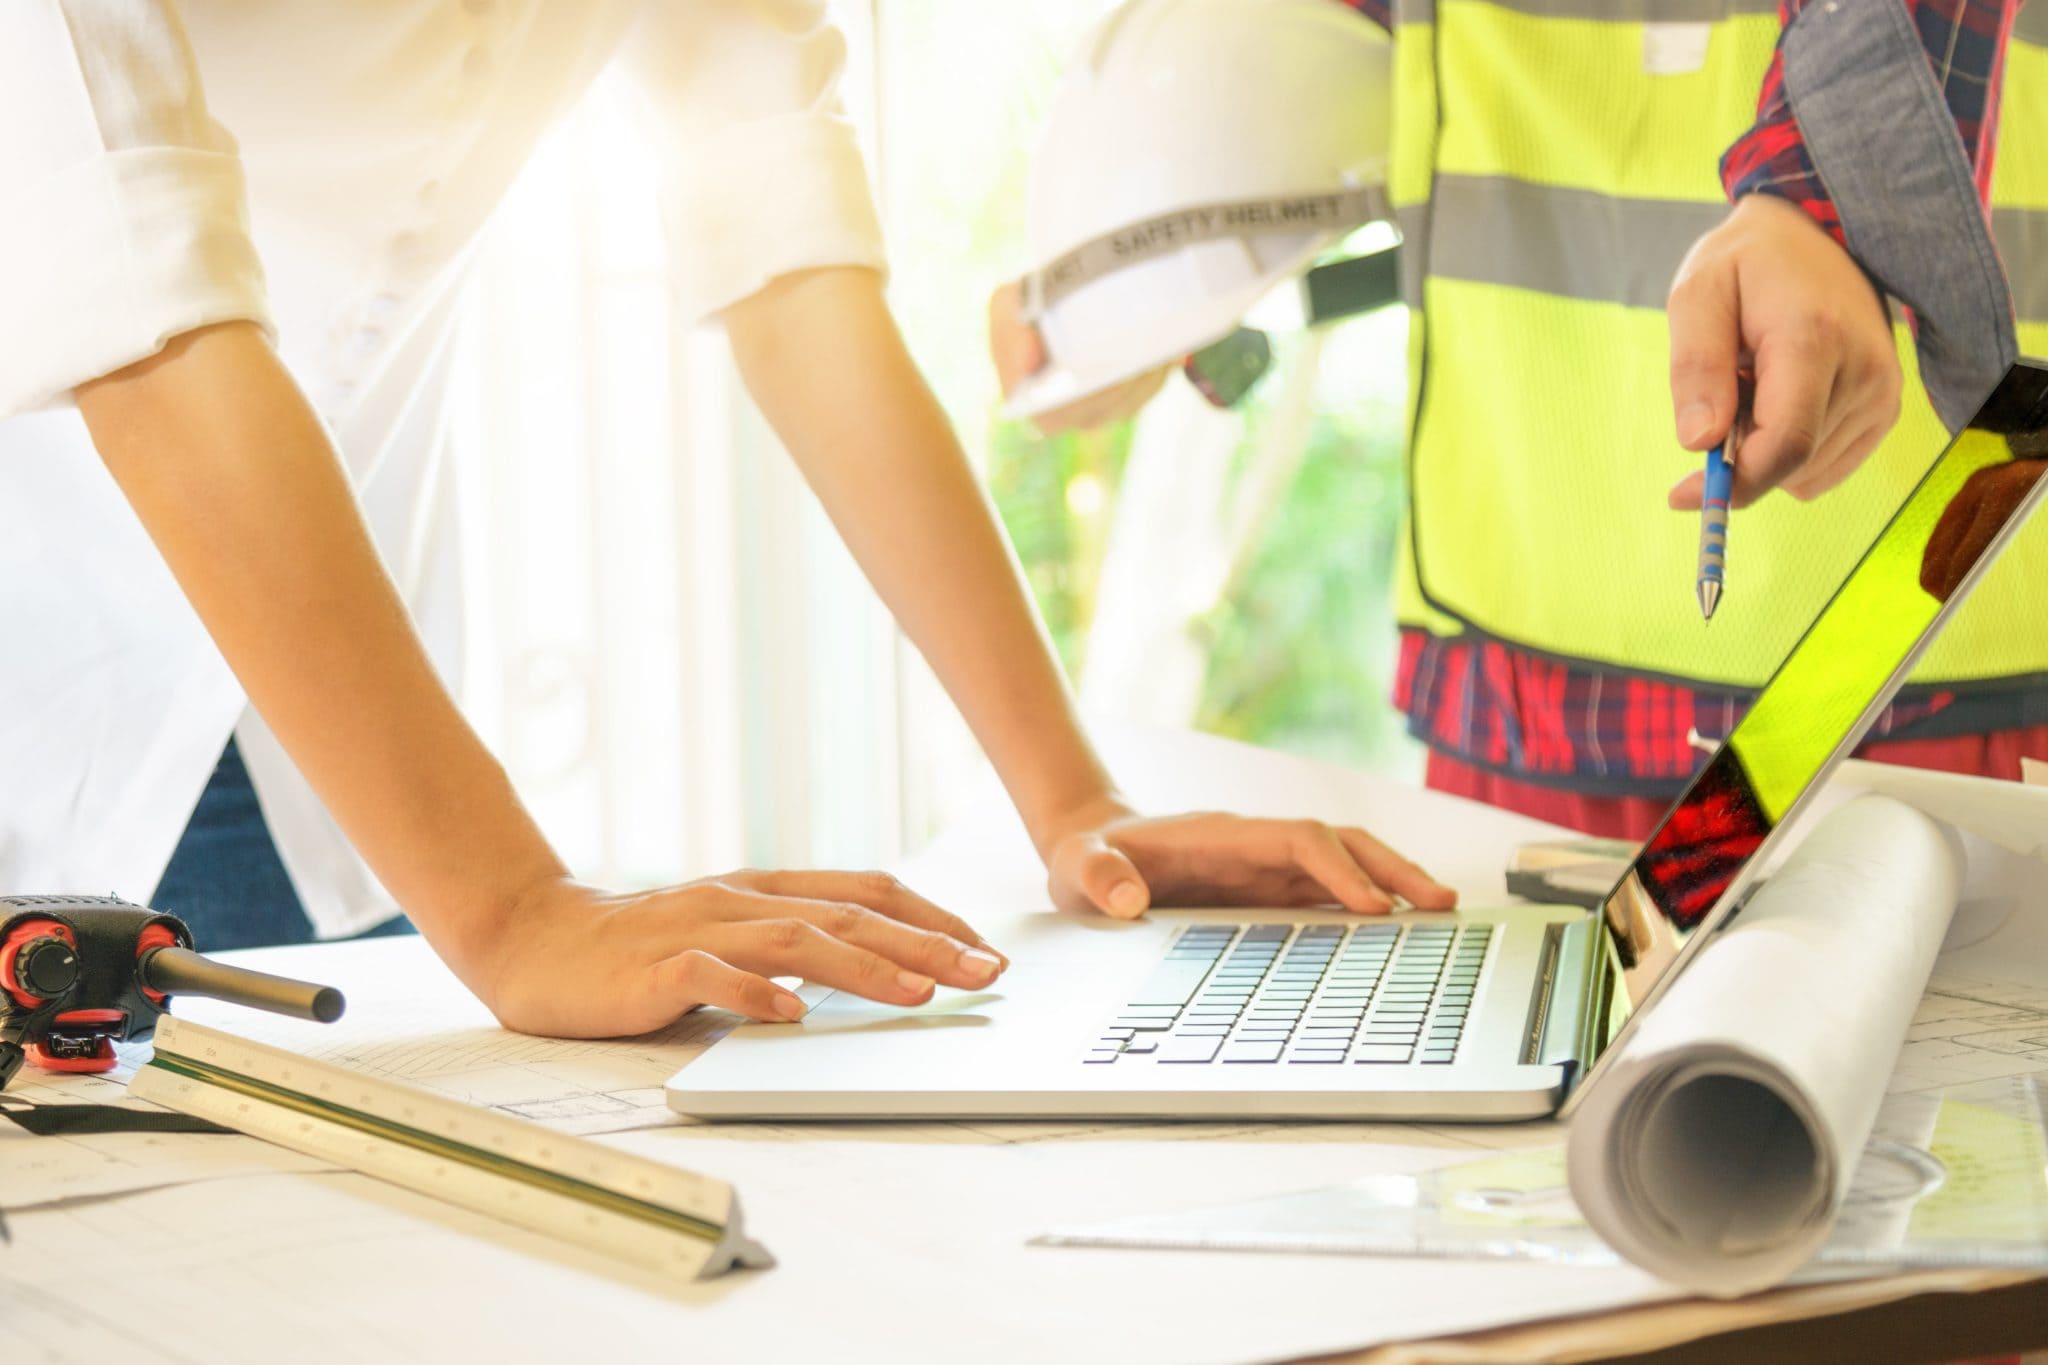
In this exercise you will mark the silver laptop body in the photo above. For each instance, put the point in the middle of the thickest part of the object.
(1478, 1014)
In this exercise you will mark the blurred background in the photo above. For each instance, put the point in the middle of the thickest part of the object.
(685, 671)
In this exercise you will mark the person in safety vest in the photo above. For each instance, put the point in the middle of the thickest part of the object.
(1608, 209)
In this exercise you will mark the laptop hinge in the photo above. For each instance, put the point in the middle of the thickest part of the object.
(1570, 995)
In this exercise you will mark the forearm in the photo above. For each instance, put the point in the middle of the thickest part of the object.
(235, 480)
(828, 367)
(1852, 130)
(1965, 42)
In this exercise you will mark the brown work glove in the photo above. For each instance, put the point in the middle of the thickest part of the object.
(1972, 519)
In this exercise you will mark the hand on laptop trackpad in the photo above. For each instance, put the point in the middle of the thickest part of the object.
(838, 1011)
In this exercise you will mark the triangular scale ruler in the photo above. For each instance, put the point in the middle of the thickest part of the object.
(659, 1217)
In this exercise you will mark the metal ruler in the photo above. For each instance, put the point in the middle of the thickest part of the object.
(659, 1217)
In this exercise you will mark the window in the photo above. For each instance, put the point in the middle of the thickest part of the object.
(681, 666)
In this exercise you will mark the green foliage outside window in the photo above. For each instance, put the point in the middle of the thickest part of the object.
(1030, 478)
(1302, 650)
(1301, 647)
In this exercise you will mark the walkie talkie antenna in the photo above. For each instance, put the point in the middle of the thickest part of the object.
(178, 971)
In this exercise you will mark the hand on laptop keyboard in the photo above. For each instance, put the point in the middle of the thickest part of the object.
(1113, 860)
(572, 961)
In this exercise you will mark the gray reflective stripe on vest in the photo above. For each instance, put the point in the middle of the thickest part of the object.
(1608, 11)
(1169, 232)
(1582, 245)
(2022, 237)
(2030, 25)
(1574, 243)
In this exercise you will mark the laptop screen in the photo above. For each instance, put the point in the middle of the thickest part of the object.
(1694, 869)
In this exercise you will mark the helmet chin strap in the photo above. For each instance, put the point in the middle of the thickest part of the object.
(1225, 370)
(1356, 284)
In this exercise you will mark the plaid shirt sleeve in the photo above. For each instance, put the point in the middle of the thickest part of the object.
(1965, 42)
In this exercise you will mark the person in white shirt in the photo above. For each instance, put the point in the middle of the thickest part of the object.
(230, 238)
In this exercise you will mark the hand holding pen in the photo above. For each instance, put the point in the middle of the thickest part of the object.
(1771, 290)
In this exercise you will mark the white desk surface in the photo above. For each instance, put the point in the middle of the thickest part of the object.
(895, 1241)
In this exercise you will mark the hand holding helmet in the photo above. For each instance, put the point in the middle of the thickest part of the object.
(1198, 153)
(1019, 352)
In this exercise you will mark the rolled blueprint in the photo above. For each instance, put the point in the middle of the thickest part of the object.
(1718, 1150)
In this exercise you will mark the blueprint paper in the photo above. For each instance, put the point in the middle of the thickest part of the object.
(1719, 1148)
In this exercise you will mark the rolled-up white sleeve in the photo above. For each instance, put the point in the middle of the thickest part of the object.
(123, 216)
(761, 172)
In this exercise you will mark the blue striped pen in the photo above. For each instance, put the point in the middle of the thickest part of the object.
(1714, 499)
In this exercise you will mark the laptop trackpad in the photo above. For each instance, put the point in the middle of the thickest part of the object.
(843, 1012)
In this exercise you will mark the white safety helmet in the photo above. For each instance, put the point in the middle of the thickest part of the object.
(1198, 153)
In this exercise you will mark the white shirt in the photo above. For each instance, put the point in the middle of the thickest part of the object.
(320, 167)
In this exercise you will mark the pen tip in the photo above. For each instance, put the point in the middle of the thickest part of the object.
(1710, 597)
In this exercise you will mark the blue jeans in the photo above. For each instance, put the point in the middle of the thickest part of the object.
(225, 880)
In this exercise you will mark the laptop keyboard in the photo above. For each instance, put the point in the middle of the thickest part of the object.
(1320, 994)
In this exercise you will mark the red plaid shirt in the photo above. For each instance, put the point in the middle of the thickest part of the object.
(1605, 731)
(1965, 42)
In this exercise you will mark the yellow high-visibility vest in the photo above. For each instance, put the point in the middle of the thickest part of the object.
(1553, 161)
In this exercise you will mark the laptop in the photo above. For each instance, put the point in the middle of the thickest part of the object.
(1473, 1014)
